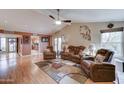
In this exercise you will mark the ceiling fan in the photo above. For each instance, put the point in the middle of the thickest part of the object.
(58, 21)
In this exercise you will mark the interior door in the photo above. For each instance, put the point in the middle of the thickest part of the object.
(12, 45)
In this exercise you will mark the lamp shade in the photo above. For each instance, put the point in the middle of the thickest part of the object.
(91, 47)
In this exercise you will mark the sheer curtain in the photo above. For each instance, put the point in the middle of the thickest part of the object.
(113, 41)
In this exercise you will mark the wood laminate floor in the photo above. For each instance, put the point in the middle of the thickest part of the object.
(22, 70)
(15, 69)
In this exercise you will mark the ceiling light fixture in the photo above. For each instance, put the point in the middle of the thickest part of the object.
(58, 22)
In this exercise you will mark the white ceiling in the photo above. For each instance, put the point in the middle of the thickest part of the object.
(37, 21)
(91, 15)
(27, 21)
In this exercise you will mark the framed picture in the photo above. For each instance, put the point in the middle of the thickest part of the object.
(44, 39)
(85, 32)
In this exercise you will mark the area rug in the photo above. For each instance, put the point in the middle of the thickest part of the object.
(58, 73)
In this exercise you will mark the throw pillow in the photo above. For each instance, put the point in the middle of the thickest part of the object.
(99, 58)
(71, 53)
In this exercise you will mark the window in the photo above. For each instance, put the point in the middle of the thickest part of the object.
(2, 44)
(113, 41)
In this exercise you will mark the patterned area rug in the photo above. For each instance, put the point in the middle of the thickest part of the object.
(59, 70)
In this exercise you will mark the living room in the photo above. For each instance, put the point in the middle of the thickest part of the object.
(93, 36)
(61, 46)
(72, 36)
(79, 47)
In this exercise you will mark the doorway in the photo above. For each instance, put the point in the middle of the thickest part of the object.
(8, 45)
(3, 47)
(58, 45)
(12, 45)
(35, 42)
(8, 48)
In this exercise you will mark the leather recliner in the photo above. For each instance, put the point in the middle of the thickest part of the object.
(49, 55)
(102, 72)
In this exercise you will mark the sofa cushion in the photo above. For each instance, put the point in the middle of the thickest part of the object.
(49, 53)
(71, 53)
(75, 56)
(75, 49)
(65, 53)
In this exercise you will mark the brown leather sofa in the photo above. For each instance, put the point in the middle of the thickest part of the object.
(100, 72)
(73, 54)
(49, 55)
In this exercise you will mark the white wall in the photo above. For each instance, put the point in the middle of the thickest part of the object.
(72, 33)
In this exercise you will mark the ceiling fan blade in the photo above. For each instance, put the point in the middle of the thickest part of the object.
(51, 17)
(66, 21)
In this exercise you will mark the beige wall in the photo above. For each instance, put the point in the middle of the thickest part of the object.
(72, 33)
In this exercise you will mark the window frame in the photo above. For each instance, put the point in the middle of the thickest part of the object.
(114, 30)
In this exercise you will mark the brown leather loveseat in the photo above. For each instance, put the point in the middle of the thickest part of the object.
(101, 72)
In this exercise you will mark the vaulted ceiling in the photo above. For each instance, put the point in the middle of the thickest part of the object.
(38, 21)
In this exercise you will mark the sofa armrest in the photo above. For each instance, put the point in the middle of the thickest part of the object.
(102, 72)
(102, 65)
(88, 58)
(54, 52)
(47, 53)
